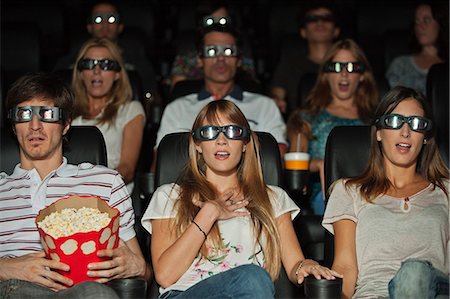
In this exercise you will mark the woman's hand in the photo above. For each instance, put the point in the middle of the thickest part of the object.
(310, 267)
(227, 204)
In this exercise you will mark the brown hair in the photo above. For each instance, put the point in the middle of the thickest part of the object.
(120, 92)
(195, 185)
(430, 165)
(44, 85)
(366, 95)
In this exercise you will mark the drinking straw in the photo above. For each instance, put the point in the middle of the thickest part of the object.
(299, 139)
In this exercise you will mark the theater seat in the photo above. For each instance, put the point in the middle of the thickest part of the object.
(85, 144)
(438, 96)
(346, 155)
(21, 50)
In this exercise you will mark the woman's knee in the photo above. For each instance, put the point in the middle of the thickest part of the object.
(415, 277)
(256, 278)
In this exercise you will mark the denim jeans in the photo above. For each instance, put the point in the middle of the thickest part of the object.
(418, 279)
(246, 281)
(318, 204)
(19, 289)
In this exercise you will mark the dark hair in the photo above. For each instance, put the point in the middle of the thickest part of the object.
(218, 28)
(207, 7)
(93, 4)
(310, 5)
(366, 95)
(430, 165)
(41, 85)
(440, 12)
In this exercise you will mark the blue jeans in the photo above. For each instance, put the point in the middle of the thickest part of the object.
(19, 289)
(318, 204)
(246, 281)
(418, 279)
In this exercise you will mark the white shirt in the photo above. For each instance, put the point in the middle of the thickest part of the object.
(113, 132)
(261, 112)
(23, 194)
(237, 235)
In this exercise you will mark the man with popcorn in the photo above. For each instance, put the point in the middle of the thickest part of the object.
(39, 106)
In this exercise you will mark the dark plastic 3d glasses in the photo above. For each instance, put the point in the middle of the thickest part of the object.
(211, 20)
(212, 51)
(396, 121)
(337, 67)
(109, 17)
(317, 18)
(105, 64)
(44, 113)
(212, 132)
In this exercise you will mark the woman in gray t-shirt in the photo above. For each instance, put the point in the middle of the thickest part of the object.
(391, 224)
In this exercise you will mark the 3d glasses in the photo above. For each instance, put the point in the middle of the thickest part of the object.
(396, 121)
(105, 64)
(337, 67)
(233, 132)
(317, 18)
(44, 113)
(212, 51)
(211, 20)
(109, 17)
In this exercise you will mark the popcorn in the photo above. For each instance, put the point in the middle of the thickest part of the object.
(73, 229)
(70, 221)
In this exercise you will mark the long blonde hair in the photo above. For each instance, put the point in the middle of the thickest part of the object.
(195, 185)
(366, 95)
(120, 92)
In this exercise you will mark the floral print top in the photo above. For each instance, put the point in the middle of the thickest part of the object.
(237, 235)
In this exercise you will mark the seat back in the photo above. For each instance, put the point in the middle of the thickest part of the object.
(173, 156)
(438, 96)
(305, 86)
(84, 144)
(21, 50)
(346, 155)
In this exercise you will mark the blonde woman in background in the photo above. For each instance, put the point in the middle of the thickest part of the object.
(103, 99)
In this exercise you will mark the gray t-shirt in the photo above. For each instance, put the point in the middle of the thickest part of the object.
(389, 232)
(404, 71)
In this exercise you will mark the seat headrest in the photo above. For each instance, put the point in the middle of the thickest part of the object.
(172, 157)
(84, 144)
(346, 152)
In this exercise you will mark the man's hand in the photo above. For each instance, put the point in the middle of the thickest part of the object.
(35, 268)
(124, 263)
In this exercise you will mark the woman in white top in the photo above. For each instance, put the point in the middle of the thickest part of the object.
(221, 232)
(103, 99)
(391, 225)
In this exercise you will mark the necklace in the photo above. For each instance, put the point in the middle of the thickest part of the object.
(406, 203)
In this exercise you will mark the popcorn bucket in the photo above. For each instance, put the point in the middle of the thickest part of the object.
(80, 249)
